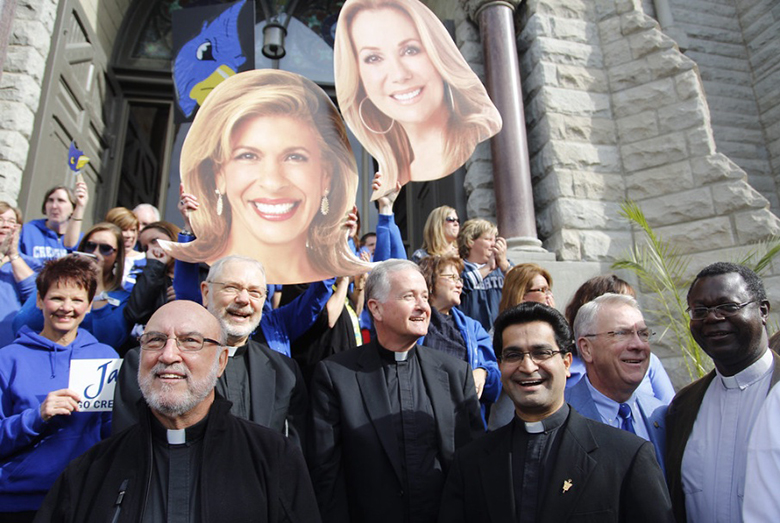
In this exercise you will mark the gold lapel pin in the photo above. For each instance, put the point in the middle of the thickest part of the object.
(567, 485)
(656, 425)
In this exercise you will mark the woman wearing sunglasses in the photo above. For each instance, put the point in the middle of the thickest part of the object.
(103, 245)
(134, 260)
(440, 234)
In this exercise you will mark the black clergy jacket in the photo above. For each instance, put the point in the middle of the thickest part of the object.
(249, 474)
(278, 397)
(601, 474)
(354, 455)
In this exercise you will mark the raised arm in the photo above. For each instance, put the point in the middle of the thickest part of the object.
(73, 230)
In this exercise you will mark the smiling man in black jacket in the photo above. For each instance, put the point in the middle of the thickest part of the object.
(175, 463)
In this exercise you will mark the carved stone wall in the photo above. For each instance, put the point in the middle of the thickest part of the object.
(20, 88)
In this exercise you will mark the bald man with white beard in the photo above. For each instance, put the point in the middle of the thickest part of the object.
(172, 464)
(265, 387)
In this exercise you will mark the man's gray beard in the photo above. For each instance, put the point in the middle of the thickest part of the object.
(233, 331)
(161, 400)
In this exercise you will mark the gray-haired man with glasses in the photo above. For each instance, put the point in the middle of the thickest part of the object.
(710, 421)
(613, 340)
(550, 464)
(263, 385)
(188, 458)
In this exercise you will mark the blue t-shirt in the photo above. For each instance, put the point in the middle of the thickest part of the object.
(481, 296)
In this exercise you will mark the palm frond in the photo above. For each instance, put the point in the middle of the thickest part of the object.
(660, 268)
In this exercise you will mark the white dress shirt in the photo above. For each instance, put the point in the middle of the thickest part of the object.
(763, 464)
(714, 461)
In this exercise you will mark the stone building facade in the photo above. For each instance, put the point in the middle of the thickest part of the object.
(672, 103)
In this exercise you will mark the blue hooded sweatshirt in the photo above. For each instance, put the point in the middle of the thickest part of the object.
(12, 295)
(40, 242)
(33, 453)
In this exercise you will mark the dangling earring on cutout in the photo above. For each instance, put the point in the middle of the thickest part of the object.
(325, 204)
(363, 121)
(219, 202)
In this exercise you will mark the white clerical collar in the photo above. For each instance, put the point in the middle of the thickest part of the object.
(232, 351)
(176, 437)
(401, 356)
(534, 427)
(750, 375)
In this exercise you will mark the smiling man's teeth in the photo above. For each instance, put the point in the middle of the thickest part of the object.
(279, 208)
(170, 376)
(407, 96)
(530, 382)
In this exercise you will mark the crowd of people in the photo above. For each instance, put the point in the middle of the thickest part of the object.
(445, 387)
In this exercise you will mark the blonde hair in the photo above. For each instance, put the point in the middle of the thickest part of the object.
(470, 231)
(473, 116)
(260, 93)
(434, 240)
(122, 218)
(517, 283)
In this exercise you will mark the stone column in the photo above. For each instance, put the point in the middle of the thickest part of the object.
(663, 13)
(509, 148)
(7, 10)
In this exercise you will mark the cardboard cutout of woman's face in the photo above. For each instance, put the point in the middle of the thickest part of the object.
(407, 93)
(268, 159)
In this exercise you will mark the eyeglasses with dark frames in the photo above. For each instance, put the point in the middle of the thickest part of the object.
(104, 248)
(155, 341)
(536, 355)
(450, 219)
(724, 310)
(624, 334)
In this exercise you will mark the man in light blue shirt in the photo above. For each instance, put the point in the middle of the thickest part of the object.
(613, 340)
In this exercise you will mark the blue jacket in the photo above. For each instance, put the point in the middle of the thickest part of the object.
(286, 324)
(480, 354)
(481, 296)
(389, 244)
(12, 295)
(653, 412)
(33, 452)
(39, 242)
(107, 324)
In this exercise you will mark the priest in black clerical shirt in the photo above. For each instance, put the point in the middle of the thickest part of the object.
(188, 459)
(549, 464)
(263, 385)
(388, 416)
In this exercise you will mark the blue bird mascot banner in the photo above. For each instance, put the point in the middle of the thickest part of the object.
(210, 44)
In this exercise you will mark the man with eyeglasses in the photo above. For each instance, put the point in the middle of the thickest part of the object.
(188, 459)
(550, 464)
(613, 341)
(265, 387)
(710, 421)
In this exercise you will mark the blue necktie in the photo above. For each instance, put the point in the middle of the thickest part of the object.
(627, 421)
